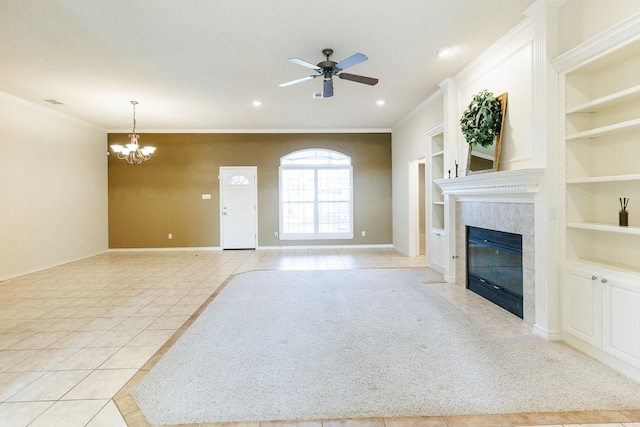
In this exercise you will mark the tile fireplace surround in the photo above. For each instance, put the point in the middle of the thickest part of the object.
(517, 218)
(502, 201)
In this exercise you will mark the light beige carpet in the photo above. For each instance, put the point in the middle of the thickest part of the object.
(361, 343)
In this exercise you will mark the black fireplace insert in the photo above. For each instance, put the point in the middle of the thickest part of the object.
(494, 267)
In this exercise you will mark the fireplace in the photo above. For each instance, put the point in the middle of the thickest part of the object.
(494, 267)
(505, 201)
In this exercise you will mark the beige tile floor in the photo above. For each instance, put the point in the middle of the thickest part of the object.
(76, 338)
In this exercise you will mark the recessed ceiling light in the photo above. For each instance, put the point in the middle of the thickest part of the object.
(380, 102)
(257, 103)
(443, 51)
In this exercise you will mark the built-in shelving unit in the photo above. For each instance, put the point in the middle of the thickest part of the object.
(437, 172)
(601, 274)
(602, 117)
(436, 209)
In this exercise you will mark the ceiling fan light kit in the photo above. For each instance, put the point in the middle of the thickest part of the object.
(329, 68)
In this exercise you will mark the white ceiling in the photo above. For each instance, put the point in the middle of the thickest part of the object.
(199, 64)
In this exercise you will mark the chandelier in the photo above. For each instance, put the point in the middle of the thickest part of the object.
(132, 152)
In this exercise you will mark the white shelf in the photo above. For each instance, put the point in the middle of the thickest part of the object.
(439, 203)
(597, 179)
(606, 130)
(609, 228)
(438, 154)
(601, 104)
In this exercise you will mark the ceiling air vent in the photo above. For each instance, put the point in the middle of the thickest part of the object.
(317, 95)
(53, 101)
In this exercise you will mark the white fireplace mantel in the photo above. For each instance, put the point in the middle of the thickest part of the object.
(502, 182)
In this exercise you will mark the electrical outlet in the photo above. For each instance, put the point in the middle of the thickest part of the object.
(364, 233)
(170, 236)
(276, 234)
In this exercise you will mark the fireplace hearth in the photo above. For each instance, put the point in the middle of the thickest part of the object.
(494, 267)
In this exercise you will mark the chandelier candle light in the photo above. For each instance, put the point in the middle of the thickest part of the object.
(132, 152)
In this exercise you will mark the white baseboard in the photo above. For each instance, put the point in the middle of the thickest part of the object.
(175, 249)
(217, 248)
(547, 335)
(378, 246)
(47, 266)
(598, 354)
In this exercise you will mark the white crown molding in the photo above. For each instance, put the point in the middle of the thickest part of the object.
(617, 36)
(518, 181)
(435, 130)
(48, 111)
(407, 117)
(540, 4)
(245, 131)
(510, 43)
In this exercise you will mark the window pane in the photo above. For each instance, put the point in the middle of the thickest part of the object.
(238, 180)
(297, 218)
(333, 217)
(334, 184)
(315, 156)
(298, 185)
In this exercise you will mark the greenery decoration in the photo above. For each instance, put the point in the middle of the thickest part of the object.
(482, 120)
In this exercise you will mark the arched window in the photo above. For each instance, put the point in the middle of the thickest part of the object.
(316, 195)
(238, 180)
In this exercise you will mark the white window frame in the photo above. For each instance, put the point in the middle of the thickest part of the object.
(305, 165)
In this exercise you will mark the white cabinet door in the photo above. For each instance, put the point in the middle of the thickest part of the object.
(621, 318)
(436, 250)
(582, 306)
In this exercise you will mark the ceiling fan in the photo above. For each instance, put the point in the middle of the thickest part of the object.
(328, 68)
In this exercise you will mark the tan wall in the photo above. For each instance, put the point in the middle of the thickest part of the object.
(163, 195)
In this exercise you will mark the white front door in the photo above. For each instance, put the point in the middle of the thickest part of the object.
(238, 207)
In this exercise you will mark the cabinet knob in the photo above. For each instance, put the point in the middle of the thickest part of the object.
(604, 280)
(594, 277)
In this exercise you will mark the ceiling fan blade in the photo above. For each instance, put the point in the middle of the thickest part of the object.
(360, 79)
(351, 61)
(327, 88)
(304, 63)
(292, 82)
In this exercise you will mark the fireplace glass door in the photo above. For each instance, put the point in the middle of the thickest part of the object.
(494, 267)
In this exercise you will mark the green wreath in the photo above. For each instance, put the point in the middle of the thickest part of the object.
(481, 122)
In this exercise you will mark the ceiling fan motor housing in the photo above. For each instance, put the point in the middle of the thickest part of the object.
(328, 66)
